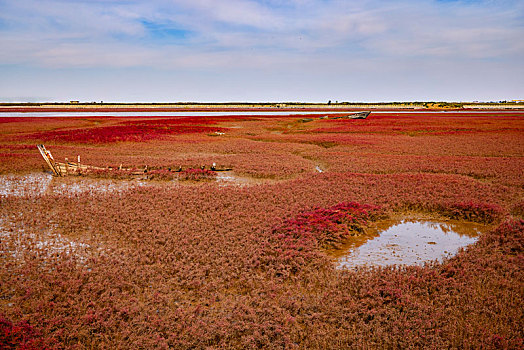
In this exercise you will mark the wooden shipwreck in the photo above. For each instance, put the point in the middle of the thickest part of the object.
(62, 169)
(68, 168)
(357, 115)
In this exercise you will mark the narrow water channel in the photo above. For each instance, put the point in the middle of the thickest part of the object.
(407, 242)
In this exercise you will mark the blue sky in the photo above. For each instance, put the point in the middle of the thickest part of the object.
(261, 50)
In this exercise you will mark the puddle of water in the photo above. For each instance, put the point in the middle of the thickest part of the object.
(254, 112)
(407, 242)
(40, 184)
(92, 186)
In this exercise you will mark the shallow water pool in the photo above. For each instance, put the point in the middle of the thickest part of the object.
(407, 242)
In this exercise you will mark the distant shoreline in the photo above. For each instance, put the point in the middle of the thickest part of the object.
(246, 107)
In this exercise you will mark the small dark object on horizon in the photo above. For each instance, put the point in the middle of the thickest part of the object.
(358, 115)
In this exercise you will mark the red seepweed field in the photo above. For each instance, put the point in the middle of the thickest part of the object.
(241, 260)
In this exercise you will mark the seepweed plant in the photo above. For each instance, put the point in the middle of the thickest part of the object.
(214, 266)
(196, 175)
(239, 267)
(22, 335)
(328, 227)
(203, 266)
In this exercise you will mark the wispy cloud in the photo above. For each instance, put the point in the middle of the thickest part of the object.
(315, 35)
(47, 31)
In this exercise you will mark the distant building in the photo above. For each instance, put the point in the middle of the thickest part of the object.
(74, 102)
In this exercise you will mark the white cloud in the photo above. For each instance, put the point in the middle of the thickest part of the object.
(340, 39)
(375, 28)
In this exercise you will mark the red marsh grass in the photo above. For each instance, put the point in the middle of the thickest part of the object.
(213, 266)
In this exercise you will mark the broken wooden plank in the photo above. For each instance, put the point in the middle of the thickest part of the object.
(48, 157)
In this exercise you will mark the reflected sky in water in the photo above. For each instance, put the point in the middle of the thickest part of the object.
(407, 242)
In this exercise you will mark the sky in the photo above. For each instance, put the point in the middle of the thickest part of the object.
(261, 50)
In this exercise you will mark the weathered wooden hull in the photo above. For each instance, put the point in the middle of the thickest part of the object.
(358, 115)
(71, 168)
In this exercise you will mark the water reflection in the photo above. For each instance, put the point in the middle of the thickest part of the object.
(407, 242)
